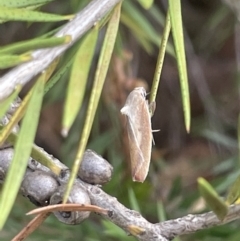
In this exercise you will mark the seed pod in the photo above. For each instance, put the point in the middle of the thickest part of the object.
(38, 186)
(77, 195)
(94, 169)
(6, 156)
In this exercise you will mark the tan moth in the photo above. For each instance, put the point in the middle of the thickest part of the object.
(139, 133)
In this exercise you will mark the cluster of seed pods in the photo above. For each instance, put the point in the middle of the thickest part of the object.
(42, 187)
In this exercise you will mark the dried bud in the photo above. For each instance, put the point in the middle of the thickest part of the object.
(38, 186)
(94, 169)
(77, 195)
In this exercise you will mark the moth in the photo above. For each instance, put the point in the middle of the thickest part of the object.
(139, 131)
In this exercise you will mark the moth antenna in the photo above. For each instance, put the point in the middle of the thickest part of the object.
(153, 137)
(156, 130)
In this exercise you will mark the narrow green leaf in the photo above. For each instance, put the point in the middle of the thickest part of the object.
(146, 3)
(7, 61)
(142, 28)
(140, 22)
(100, 75)
(50, 69)
(177, 31)
(78, 79)
(5, 104)
(157, 14)
(24, 46)
(161, 54)
(161, 211)
(234, 192)
(57, 75)
(238, 133)
(16, 117)
(22, 151)
(216, 204)
(22, 3)
(143, 39)
(133, 200)
(16, 14)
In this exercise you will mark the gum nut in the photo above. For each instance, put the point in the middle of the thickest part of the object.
(38, 186)
(77, 195)
(94, 169)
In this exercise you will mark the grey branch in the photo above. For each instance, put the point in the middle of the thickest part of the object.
(42, 58)
(130, 221)
(192, 223)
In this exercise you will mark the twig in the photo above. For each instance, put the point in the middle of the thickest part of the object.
(195, 222)
(131, 221)
(31, 227)
(76, 28)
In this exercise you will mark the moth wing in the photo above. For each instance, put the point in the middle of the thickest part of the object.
(147, 136)
(136, 155)
(144, 140)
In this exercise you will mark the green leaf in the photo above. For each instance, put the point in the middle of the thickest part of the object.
(157, 14)
(133, 200)
(238, 133)
(161, 211)
(161, 55)
(114, 232)
(78, 79)
(5, 104)
(15, 14)
(22, 3)
(216, 204)
(7, 61)
(22, 152)
(24, 46)
(141, 21)
(234, 192)
(54, 79)
(100, 75)
(136, 29)
(146, 3)
(136, 21)
(50, 69)
(177, 31)
(16, 117)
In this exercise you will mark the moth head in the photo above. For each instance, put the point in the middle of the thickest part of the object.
(142, 91)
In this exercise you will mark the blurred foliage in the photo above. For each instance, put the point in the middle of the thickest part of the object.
(146, 28)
